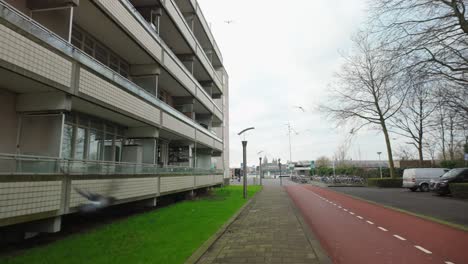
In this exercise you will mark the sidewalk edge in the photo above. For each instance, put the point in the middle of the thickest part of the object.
(196, 256)
(313, 240)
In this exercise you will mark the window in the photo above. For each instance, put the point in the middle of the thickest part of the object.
(67, 141)
(80, 140)
(89, 46)
(100, 52)
(109, 147)
(77, 39)
(95, 145)
(114, 63)
(86, 137)
(124, 69)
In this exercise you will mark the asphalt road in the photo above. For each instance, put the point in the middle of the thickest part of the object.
(445, 208)
(355, 231)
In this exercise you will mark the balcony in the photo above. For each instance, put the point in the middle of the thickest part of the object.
(68, 56)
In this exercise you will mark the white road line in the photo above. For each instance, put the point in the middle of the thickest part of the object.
(383, 229)
(340, 207)
(448, 262)
(360, 217)
(351, 213)
(423, 249)
(346, 210)
(399, 237)
(369, 222)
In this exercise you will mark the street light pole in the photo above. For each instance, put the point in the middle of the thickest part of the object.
(244, 149)
(380, 164)
(260, 170)
(281, 179)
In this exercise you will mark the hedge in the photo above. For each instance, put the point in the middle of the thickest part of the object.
(385, 182)
(459, 190)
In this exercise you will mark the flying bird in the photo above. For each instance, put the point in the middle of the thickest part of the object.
(300, 107)
(96, 201)
(229, 21)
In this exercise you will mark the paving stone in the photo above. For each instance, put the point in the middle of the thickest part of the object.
(267, 231)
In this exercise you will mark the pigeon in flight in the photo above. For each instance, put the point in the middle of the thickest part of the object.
(95, 201)
(300, 107)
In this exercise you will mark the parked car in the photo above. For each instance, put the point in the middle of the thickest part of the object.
(420, 178)
(441, 185)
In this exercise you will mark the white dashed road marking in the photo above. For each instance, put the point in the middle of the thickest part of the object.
(423, 249)
(381, 228)
(399, 237)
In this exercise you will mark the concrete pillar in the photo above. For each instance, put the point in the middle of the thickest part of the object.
(204, 158)
(185, 105)
(206, 120)
(152, 14)
(146, 76)
(190, 19)
(209, 54)
(208, 87)
(188, 60)
(143, 147)
(164, 152)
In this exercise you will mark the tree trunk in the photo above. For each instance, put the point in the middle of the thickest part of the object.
(389, 149)
(420, 153)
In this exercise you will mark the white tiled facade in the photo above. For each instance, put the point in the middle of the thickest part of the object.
(23, 198)
(117, 188)
(24, 53)
(96, 87)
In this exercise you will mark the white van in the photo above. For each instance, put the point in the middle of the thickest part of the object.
(421, 177)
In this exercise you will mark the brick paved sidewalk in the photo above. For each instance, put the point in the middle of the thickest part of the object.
(267, 231)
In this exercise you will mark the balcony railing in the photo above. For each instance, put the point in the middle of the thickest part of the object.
(26, 164)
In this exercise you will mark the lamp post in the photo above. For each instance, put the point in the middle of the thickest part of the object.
(260, 169)
(380, 164)
(279, 165)
(244, 165)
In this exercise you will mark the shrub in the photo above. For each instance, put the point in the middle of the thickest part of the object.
(459, 190)
(385, 182)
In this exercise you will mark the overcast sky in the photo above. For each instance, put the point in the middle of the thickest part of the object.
(281, 54)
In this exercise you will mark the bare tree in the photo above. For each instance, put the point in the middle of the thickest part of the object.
(342, 151)
(434, 33)
(322, 162)
(403, 153)
(414, 118)
(369, 89)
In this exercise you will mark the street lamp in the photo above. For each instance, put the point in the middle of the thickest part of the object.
(279, 165)
(260, 169)
(380, 164)
(244, 151)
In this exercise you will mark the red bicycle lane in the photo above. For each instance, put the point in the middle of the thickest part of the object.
(355, 231)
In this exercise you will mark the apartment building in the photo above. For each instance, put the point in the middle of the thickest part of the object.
(125, 98)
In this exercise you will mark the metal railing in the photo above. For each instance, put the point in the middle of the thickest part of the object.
(29, 164)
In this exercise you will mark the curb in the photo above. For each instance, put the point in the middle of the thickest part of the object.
(313, 241)
(196, 256)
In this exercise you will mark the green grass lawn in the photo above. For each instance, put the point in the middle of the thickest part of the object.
(167, 235)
